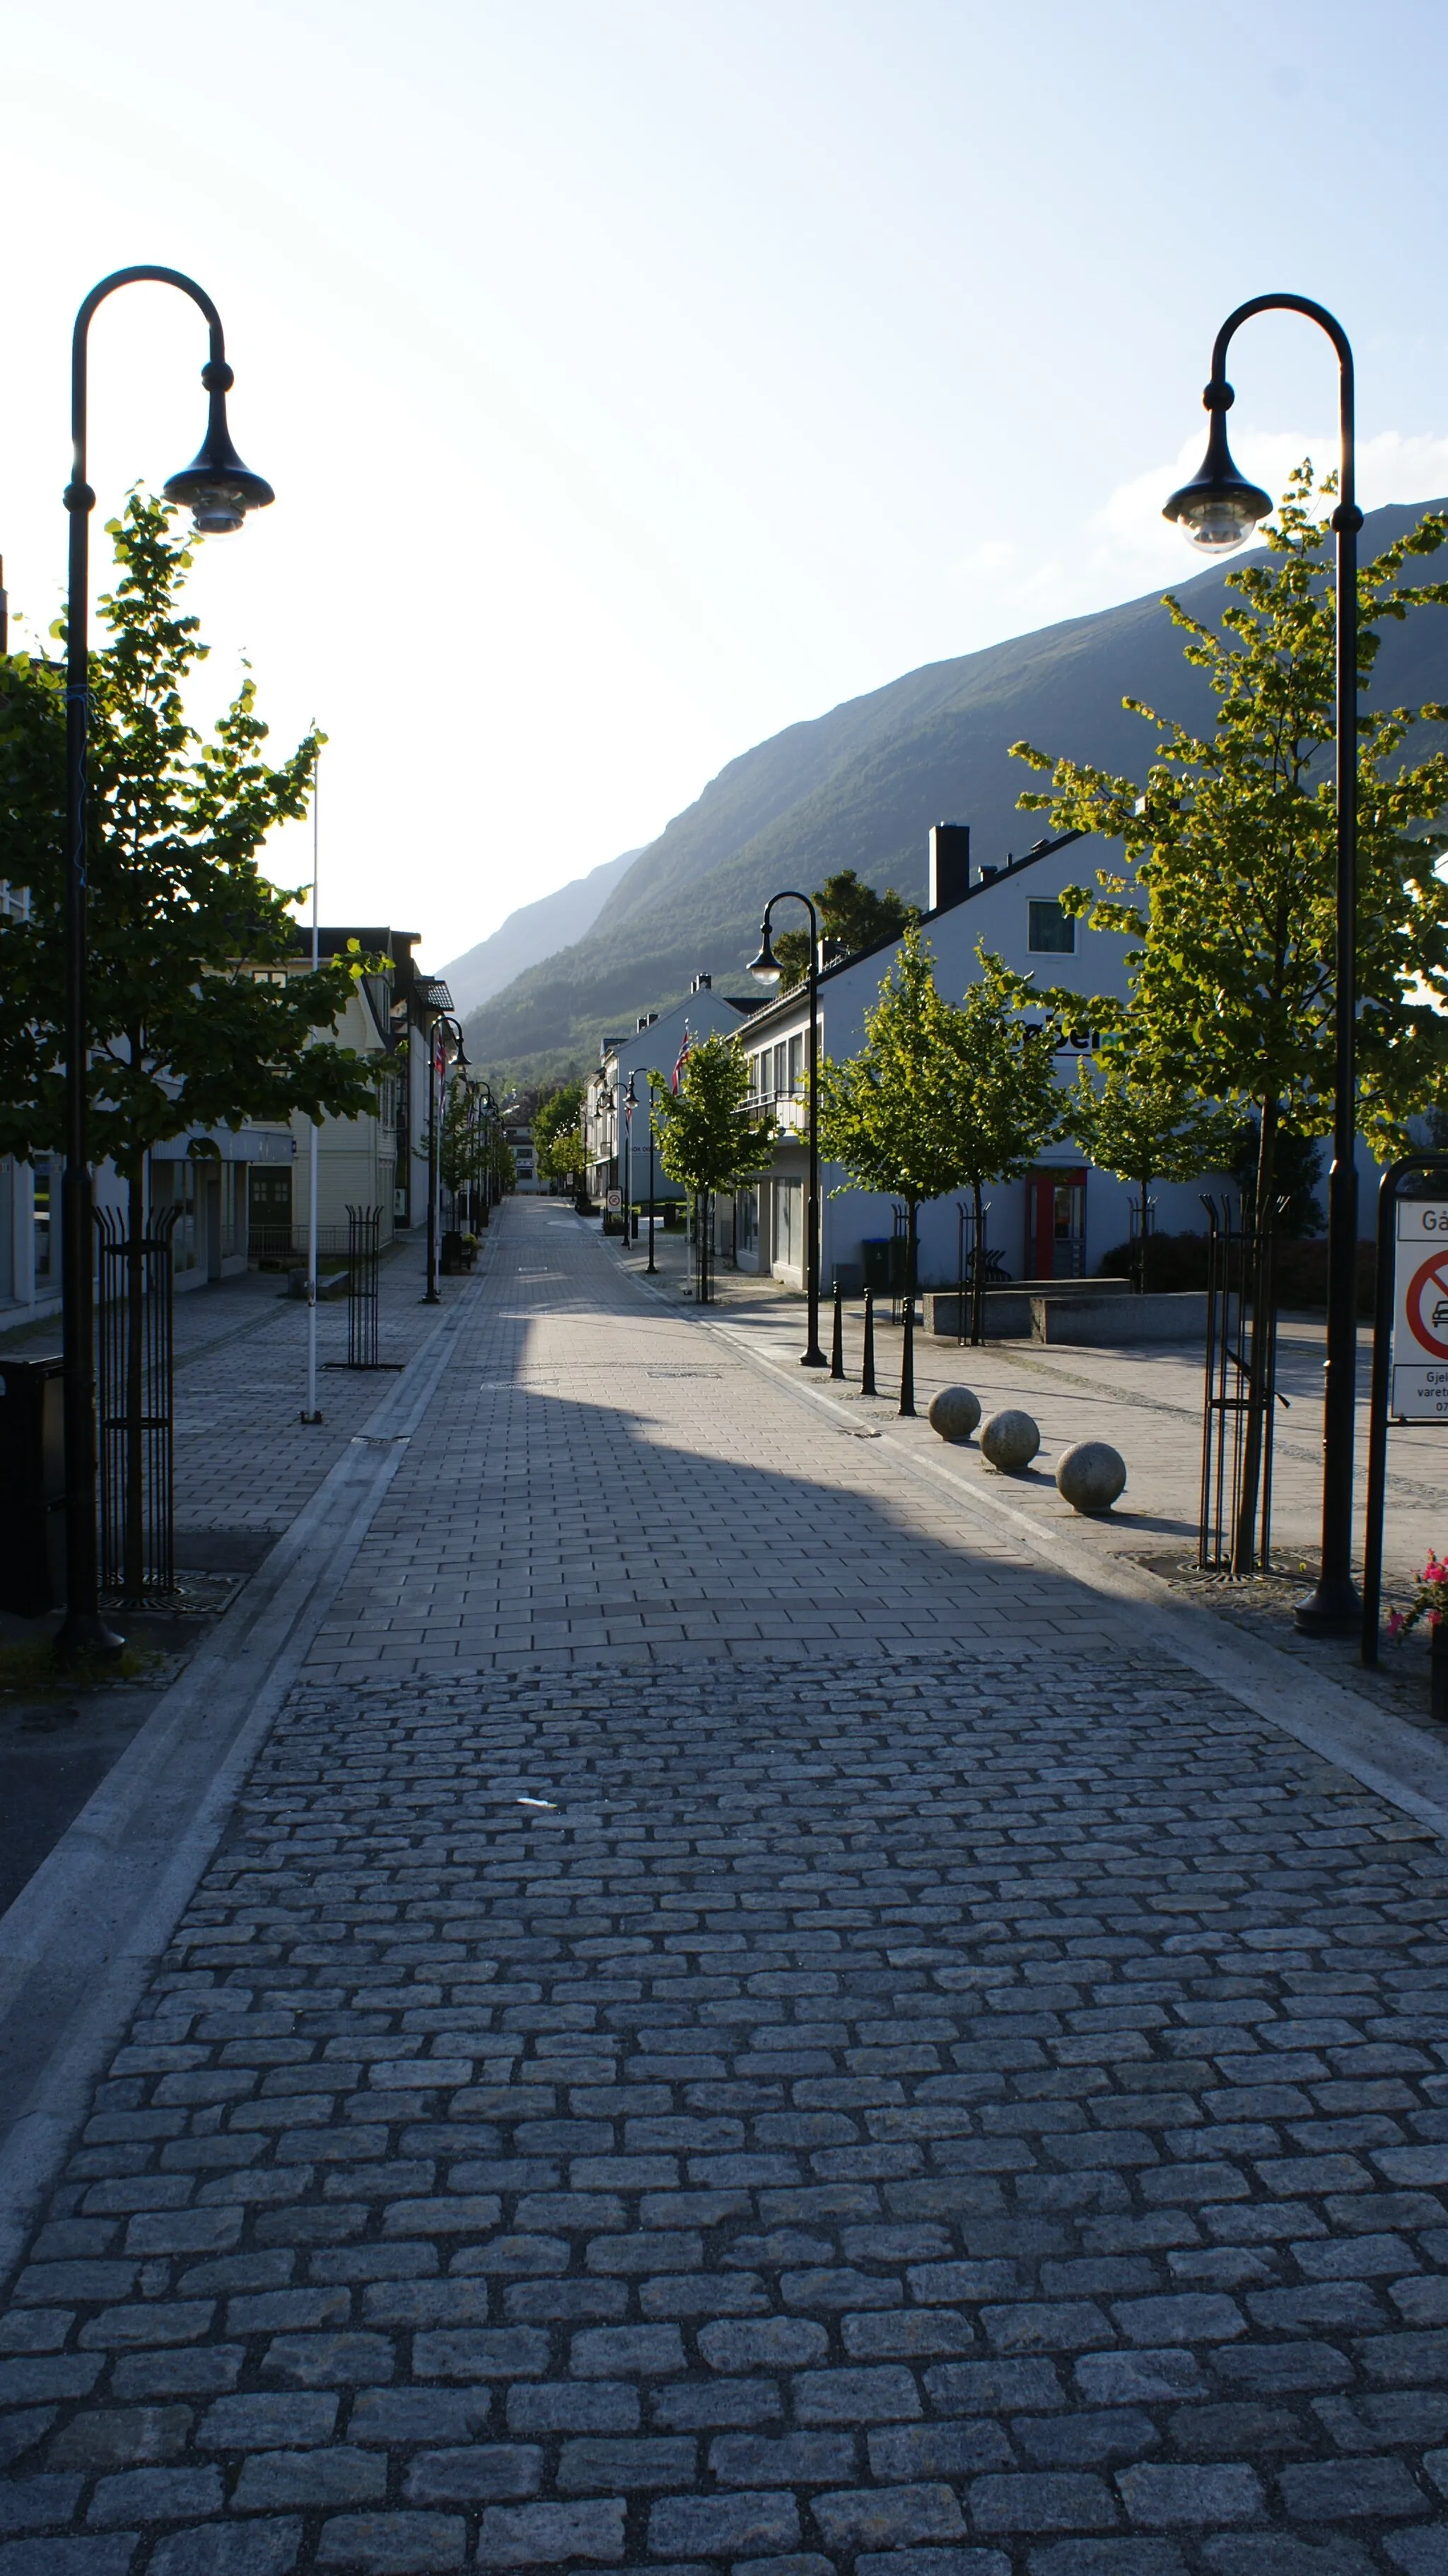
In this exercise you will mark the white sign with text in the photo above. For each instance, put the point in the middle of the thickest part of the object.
(1420, 1321)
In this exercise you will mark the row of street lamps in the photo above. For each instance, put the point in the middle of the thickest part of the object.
(1218, 509)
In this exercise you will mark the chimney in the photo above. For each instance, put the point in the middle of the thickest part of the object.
(702, 984)
(949, 864)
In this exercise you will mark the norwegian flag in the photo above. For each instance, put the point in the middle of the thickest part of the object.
(680, 1059)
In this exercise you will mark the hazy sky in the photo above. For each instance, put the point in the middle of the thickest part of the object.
(640, 376)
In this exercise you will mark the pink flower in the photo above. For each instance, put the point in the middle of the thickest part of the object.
(1396, 1623)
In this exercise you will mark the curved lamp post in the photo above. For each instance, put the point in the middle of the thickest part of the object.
(1217, 510)
(218, 490)
(488, 1108)
(436, 1097)
(766, 968)
(603, 1108)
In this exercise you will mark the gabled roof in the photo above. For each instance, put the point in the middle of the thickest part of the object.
(986, 884)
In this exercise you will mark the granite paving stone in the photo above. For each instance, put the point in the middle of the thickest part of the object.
(949, 2104)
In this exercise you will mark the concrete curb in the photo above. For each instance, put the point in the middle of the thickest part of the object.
(85, 1934)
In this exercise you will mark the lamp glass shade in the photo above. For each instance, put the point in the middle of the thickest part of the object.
(216, 487)
(1219, 509)
(765, 968)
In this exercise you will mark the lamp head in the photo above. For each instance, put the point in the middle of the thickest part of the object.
(216, 487)
(630, 1098)
(765, 968)
(1219, 508)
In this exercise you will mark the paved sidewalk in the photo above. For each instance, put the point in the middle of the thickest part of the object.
(845, 2089)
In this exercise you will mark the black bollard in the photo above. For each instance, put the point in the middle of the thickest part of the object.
(837, 1346)
(907, 1360)
(867, 1371)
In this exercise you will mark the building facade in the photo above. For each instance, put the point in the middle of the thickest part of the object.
(617, 1141)
(1063, 1216)
(244, 1198)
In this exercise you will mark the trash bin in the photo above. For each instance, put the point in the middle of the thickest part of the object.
(32, 1486)
(884, 1261)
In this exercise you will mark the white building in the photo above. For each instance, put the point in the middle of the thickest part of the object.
(616, 1146)
(1064, 1215)
(245, 1199)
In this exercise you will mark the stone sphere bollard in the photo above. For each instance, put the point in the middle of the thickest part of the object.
(954, 1412)
(1090, 1475)
(1009, 1442)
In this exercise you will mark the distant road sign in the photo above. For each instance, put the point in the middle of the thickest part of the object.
(615, 1201)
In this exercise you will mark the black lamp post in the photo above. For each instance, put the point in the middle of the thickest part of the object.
(603, 1102)
(436, 1096)
(766, 968)
(488, 1110)
(651, 1266)
(1219, 509)
(630, 1104)
(218, 490)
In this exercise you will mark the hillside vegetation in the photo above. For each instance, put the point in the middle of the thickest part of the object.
(860, 788)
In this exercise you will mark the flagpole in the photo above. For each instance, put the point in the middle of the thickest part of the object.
(312, 1414)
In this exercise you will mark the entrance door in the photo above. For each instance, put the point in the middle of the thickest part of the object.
(269, 1211)
(1055, 1225)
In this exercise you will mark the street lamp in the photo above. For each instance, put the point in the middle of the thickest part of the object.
(651, 1266)
(436, 1095)
(766, 968)
(218, 490)
(488, 1108)
(1217, 510)
(603, 1102)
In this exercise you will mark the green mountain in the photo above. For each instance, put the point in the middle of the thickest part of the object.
(861, 786)
(531, 933)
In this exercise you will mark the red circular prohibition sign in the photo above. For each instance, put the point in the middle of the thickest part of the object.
(1427, 1305)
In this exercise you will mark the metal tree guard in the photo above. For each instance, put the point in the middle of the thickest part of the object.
(134, 1386)
(364, 1227)
(1239, 1395)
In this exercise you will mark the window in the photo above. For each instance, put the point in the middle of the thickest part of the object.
(47, 1237)
(746, 1220)
(781, 1069)
(796, 1066)
(789, 1223)
(1052, 931)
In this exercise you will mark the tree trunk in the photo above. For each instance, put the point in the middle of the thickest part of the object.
(1244, 1550)
(1141, 1251)
(133, 1539)
(977, 1285)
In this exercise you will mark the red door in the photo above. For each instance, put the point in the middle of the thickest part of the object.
(1055, 1225)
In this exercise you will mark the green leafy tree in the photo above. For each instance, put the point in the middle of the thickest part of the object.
(942, 1096)
(558, 1150)
(707, 1139)
(183, 1030)
(851, 913)
(1232, 839)
(1131, 1118)
(189, 1022)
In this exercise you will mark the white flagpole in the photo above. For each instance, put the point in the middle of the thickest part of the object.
(312, 1413)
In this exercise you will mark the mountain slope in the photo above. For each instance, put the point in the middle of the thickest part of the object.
(860, 787)
(532, 933)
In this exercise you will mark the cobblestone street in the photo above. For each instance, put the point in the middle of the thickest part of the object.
(742, 2022)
